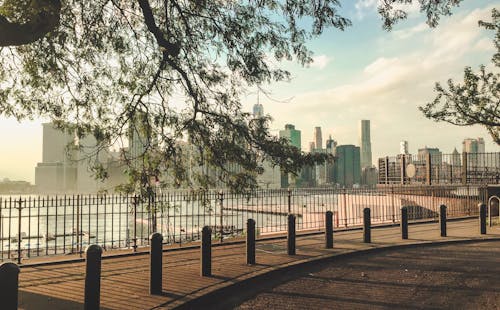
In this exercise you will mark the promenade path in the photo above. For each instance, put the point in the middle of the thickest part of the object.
(125, 279)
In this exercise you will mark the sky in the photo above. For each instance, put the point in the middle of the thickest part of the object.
(361, 73)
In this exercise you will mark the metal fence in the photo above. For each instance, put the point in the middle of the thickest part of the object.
(465, 168)
(33, 226)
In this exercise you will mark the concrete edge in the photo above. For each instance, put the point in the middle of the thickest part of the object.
(236, 242)
(220, 298)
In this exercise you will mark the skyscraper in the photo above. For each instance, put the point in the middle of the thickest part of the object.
(347, 165)
(403, 147)
(258, 110)
(474, 146)
(318, 139)
(57, 171)
(365, 143)
(292, 135)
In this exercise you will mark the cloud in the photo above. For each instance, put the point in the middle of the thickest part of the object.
(390, 88)
(366, 7)
(320, 61)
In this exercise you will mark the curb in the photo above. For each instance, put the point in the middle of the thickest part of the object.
(244, 288)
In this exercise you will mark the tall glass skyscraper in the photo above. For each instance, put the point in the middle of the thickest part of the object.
(318, 138)
(365, 143)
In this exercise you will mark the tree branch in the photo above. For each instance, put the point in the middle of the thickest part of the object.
(47, 19)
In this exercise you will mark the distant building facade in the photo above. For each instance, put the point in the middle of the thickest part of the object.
(365, 143)
(347, 167)
(58, 171)
(403, 148)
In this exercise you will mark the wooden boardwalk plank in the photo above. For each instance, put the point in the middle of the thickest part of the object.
(125, 280)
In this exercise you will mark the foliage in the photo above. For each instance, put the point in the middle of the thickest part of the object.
(166, 77)
(477, 99)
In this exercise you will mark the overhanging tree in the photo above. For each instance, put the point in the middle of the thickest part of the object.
(476, 101)
(111, 67)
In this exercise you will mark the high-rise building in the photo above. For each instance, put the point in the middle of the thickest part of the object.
(292, 135)
(331, 145)
(312, 146)
(365, 143)
(476, 150)
(403, 147)
(318, 139)
(258, 110)
(347, 167)
(57, 171)
(436, 154)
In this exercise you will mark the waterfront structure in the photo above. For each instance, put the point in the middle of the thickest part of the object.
(347, 167)
(365, 143)
(403, 147)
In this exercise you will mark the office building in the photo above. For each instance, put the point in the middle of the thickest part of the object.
(365, 143)
(292, 135)
(403, 148)
(318, 139)
(57, 171)
(436, 154)
(258, 110)
(347, 167)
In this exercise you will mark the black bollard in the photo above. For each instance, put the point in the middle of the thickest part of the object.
(404, 223)
(367, 234)
(250, 242)
(291, 235)
(9, 285)
(206, 252)
(442, 220)
(93, 255)
(155, 264)
(482, 218)
(329, 229)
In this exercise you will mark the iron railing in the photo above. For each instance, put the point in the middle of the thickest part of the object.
(465, 168)
(33, 226)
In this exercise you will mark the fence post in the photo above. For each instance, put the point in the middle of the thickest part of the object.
(428, 169)
(291, 235)
(329, 229)
(442, 220)
(155, 263)
(93, 255)
(206, 251)
(135, 224)
(403, 168)
(386, 170)
(250, 242)
(482, 218)
(289, 201)
(19, 250)
(464, 168)
(9, 285)
(404, 223)
(221, 229)
(367, 236)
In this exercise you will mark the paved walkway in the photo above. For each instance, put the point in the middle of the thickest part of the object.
(450, 276)
(124, 282)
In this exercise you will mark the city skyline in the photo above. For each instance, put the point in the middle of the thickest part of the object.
(362, 73)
